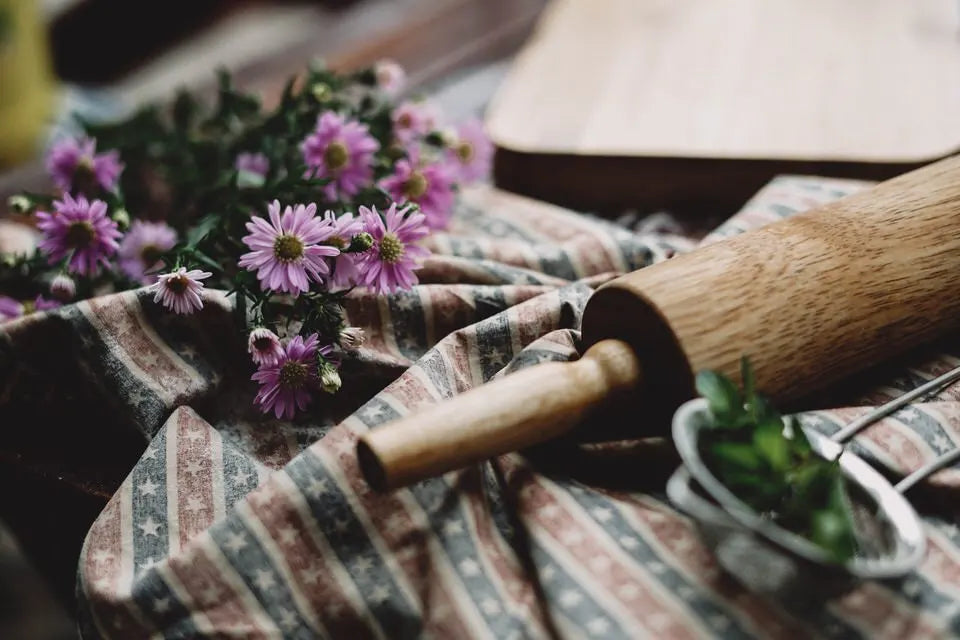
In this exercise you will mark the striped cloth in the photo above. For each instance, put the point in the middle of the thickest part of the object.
(236, 525)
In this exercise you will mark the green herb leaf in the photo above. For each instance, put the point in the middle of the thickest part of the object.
(722, 396)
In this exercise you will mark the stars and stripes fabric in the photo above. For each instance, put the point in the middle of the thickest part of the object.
(233, 524)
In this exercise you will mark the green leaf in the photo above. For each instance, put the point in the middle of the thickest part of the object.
(722, 396)
(770, 443)
(201, 229)
(737, 455)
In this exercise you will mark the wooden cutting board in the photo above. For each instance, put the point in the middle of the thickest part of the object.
(693, 103)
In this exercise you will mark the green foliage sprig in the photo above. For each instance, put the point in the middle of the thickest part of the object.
(768, 463)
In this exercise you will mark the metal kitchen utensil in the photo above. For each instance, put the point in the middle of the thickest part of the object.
(772, 560)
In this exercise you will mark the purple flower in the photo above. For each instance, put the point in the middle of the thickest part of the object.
(413, 120)
(341, 150)
(252, 169)
(345, 227)
(471, 155)
(264, 346)
(285, 386)
(389, 264)
(286, 252)
(42, 304)
(63, 288)
(9, 309)
(391, 77)
(180, 290)
(142, 247)
(429, 186)
(81, 230)
(75, 165)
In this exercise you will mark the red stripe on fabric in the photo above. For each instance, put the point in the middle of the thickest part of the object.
(125, 329)
(195, 507)
(511, 577)
(219, 603)
(875, 611)
(405, 538)
(102, 573)
(676, 536)
(557, 521)
(306, 561)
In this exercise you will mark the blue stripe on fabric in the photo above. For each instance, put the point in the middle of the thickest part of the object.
(260, 575)
(148, 482)
(161, 606)
(355, 551)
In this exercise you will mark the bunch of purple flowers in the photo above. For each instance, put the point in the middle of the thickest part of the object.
(288, 210)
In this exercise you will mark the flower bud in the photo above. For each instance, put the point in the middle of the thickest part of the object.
(329, 378)
(19, 204)
(360, 242)
(121, 217)
(321, 91)
(352, 337)
(63, 288)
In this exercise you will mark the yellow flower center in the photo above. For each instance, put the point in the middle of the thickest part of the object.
(415, 186)
(293, 374)
(287, 248)
(79, 235)
(405, 120)
(150, 254)
(464, 151)
(337, 241)
(178, 284)
(391, 249)
(336, 156)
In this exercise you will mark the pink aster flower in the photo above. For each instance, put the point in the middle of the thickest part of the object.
(413, 120)
(141, 248)
(75, 165)
(251, 168)
(391, 77)
(471, 155)
(180, 290)
(429, 186)
(42, 304)
(9, 309)
(341, 150)
(264, 346)
(389, 264)
(345, 270)
(81, 230)
(285, 386)
(63, 288)
(286, 252)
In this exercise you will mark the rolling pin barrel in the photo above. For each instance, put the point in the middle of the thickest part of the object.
(809, 299)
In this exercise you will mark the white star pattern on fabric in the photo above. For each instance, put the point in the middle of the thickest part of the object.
(602, 514)
(496, 357)
(101, 555)
(628, 542)
(210, 594)
(490, 607)
(235, 542)
(379, 594)
(192, 467)
(194, 504)
(910, 413)
(161, 605)
(149, 527)
(719, 621)
(148, 487)
(570, 598)
(341, 525)
(598, 626)
(241, 476)
(288, 619)
(469, 567)
(317, 488)
(453, 527)
(150, 454)
(311, 574)
(264, 579)
(362, 564)
(288, 535)
(941, 442)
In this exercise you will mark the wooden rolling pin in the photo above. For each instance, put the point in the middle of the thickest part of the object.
(809, 299)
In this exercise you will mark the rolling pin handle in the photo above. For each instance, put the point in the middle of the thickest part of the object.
(519, 410)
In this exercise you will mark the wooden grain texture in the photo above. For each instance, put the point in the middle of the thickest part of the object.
(520, 410)
(657, 103)
(810, 300)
